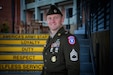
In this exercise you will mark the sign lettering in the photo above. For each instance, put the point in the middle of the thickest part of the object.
(30, 42)
(24, 36)
(23, 42)
(21, 57)
(27, 49)
(21, 49)
(32, 67)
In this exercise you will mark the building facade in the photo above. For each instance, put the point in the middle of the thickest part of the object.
(9, 15)
(33, 14)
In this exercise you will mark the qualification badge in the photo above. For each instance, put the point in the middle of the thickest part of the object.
(53, 58)
(55, 11)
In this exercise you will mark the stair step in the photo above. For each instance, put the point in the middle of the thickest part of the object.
(86, 73)
(84, 58)
(79, 31)
(86, 68)
(85, 64)
(20, 73)
(84, 50)
(80, 36)
(83, 41)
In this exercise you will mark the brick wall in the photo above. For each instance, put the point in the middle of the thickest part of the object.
(6, 13)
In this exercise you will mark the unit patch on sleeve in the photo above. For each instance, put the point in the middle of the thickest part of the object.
(71, 40)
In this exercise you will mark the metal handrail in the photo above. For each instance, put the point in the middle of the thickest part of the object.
(91, 49)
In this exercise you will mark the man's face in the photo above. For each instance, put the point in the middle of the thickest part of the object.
(54, 21)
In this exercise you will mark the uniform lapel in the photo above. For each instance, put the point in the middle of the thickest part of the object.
(52, 40)
(49, 42)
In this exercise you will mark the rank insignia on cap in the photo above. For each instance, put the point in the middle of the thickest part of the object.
(71, 40)
(54, 10)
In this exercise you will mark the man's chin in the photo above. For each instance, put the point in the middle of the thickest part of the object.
(54, 29)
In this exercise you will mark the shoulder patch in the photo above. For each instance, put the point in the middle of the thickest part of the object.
(71, 40)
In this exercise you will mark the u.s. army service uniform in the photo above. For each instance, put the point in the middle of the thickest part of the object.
(61, 54)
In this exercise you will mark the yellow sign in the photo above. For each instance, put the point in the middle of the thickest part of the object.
(21, 49)
(22, 57)
(24, 36)
(17, 67)
(23, 42)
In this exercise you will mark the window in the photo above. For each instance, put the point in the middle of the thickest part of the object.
(29, 1)
(40, 0)
(41, 16)
(69, 12)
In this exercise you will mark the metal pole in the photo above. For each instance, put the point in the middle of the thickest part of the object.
(25, 17)
(13, 16)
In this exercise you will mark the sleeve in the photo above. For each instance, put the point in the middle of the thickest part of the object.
(71, 54)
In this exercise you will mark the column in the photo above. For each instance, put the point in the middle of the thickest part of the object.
(22, 8)
(37, 13)
(74, 26)
(75, 11)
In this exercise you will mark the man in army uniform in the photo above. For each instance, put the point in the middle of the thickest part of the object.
(61, 53)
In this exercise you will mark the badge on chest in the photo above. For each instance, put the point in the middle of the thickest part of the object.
(54, 50)
(53, 58)
(55, 46)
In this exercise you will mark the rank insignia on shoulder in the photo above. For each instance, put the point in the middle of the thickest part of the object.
(66, 32)
(71, 40)
(73, 55)
(59, 34)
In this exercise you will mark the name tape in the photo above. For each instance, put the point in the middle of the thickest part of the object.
(17, 67)
(21, 49)
(22, 57)
(24, 42)
(23, 36)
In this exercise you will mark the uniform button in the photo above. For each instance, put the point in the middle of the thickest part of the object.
(44, 45)
(45, 60)
(45, 67)
(46, 53)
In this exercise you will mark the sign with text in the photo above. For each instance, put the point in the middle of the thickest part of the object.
(22, 67)
(21, 52)
(21, 57)
(23, 42)
(21, 49)
(23, 36)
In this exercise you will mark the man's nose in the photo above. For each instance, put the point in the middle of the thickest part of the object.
(53, 20)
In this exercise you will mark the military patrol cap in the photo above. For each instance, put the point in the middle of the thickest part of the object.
(54, 10)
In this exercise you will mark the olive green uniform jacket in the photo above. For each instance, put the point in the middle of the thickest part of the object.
(61, 55)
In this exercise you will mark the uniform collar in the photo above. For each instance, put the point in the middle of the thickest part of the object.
(56, 36)
(58, 33)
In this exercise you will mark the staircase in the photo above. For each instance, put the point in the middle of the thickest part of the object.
(21, 54)
(8, 49)
(85, 59)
